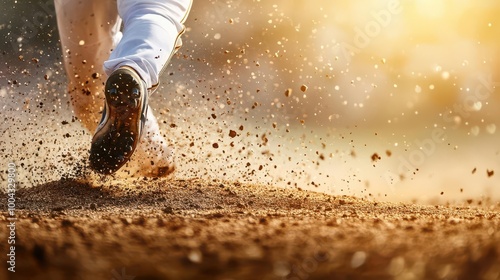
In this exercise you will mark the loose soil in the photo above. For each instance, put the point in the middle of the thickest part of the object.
(197, 229)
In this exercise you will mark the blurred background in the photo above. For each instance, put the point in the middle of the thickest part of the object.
(387, 100)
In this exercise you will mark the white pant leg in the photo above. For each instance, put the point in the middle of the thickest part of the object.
(151, 35)
(87, 29)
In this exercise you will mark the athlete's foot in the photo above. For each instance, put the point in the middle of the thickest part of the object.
(123, 119)
(154, 157)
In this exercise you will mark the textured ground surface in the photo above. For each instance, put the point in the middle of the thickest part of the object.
(194, 229)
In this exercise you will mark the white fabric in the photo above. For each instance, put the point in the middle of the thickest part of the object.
(150, 36)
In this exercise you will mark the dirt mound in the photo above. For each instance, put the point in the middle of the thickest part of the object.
(196, 229)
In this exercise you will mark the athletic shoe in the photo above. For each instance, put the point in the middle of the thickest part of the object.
(123, 118)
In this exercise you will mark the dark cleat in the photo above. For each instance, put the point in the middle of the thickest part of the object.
(123, 118)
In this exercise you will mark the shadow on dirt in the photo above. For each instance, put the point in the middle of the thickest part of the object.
(166, 194)
(66, 194)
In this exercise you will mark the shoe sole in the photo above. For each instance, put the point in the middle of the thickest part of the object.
(119, 133)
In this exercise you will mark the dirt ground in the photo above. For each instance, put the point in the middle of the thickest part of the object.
(196, 229)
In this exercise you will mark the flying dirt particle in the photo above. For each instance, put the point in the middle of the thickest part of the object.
(490, 172)
(375, 157)
(241, 128)
(303, 88)
(442, 193)
(474, 170)
(46, 77)
(275, 125)
(388, 153)
(35, 60)
(232, 133)
(26, 104)
(173, 125)
(21, 58)
(288, 92)
(214, 116)
(215, 145)
(231, 21)
(264, 139)
(64, 122)
(95, 75)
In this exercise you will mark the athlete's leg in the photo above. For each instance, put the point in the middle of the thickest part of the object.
(151, 35)
(88, 30)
